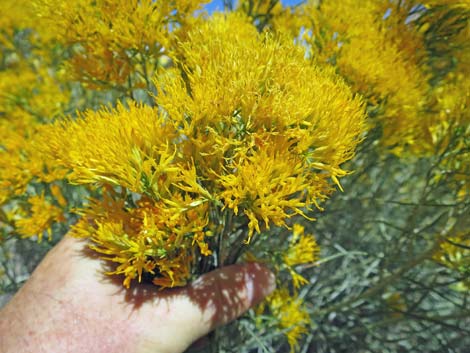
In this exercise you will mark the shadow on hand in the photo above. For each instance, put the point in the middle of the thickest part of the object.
(221, 295)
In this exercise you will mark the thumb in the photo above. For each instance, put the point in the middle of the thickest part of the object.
(214, 299)
(225, 294)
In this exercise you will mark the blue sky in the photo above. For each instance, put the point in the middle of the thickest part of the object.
(219, 4)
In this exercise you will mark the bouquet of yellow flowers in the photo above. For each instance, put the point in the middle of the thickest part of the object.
(177, 141)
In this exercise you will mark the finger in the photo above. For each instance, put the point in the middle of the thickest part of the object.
(182, 316)
(223, 295)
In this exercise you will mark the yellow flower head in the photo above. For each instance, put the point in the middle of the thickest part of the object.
(303, 249)
(292, 316)
(42, 215)
(129, 147)
(151, 238)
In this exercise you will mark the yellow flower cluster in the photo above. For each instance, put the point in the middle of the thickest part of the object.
(388, 52)
(31, 94)
(266, 129)
(112, 39)
(360, 43)
(123, 146)
(452, 101)
(247, 126)
(150, 238)
(29, 97)
(449, 125)
(31, 88)
(291, 315)
(134, 148)
(41, 216)
(302, 249)
(284, 305)
(16, 15)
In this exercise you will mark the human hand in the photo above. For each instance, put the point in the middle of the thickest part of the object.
(68, 305)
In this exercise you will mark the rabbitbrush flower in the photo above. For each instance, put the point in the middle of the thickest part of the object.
(244, 129)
